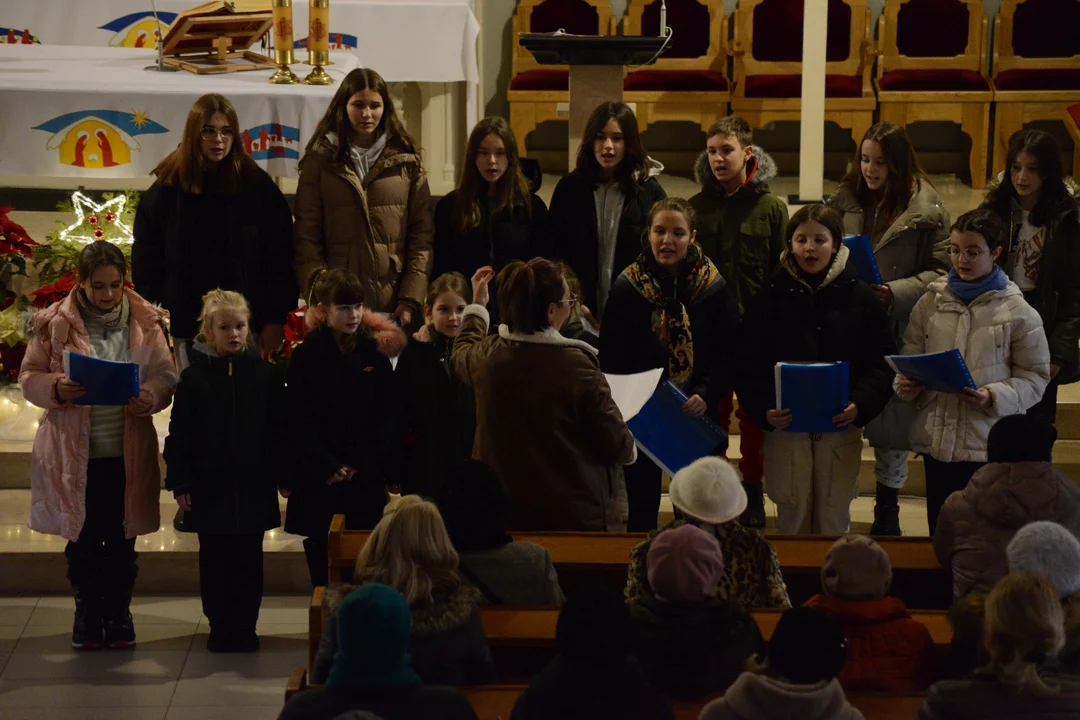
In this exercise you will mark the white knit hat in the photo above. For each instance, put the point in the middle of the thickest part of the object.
(1048, 549)
(709, 490)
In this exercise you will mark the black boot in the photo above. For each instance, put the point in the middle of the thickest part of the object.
(119, 625)
(886, 521)
(754, 515)
(86, 632)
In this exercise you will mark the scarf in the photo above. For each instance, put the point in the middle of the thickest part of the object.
(111, 320)
(374, 629)
(968, 291)
(671, 319)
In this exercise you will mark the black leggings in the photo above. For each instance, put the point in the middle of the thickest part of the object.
(231, 581)
(102, 553)
(942, 480)
(643, 483)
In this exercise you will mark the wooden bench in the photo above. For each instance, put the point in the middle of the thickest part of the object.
(497, 701)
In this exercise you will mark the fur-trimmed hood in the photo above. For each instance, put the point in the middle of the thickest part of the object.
(447, 611)
(760, 169)
(389, 338)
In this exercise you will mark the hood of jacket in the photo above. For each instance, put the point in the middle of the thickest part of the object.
(760, 170)
(760, 696)
(838, 270)
(925, 210)
(389, 338)
(447, 610)
(946, 299)
(141, 312)
(393, 154)
(547, 336)
(860, 612)
(1015, 494)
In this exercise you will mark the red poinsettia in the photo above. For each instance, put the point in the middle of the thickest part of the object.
(13, 237)
(294, 330)
(46, 295)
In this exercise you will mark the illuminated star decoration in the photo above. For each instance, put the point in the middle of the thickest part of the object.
(107, 213)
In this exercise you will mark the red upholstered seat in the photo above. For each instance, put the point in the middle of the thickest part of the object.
(689, 20)
(1074, 113)
(1060, 79)
(676, 81)
(789, 86)
(932, 28)
(548, 79)
(932, 81)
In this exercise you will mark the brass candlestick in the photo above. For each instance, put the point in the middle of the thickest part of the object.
(283, 43)
(318, 43)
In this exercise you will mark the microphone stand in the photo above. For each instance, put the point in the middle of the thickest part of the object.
(160, 66)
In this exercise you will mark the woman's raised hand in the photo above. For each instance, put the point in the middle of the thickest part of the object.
(480, 280)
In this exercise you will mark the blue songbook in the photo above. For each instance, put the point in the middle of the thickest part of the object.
(669, 436)
(106, 382)
(943, 371)
(861, 253)
(813, 392)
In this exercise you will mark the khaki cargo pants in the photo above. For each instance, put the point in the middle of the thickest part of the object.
(812, 478)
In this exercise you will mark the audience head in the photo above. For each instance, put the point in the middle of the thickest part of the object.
(594, 628)
(574, 284)
(856, 568)
(337, 300)
(374, 629)
(709, 491)
(102, 269)
(884, 171)
(492, 167)
(473, 503)
(966, 616)
(814, 236)
(210, 143)
(1034, 176)
(445, 303)
(685, 564)
(729, 145)
(224, 321)
(1024, 626)
(1048, 549)
(671, 231)
(1021, 438)
(533, 296)
(807, 647)
(975, 243)
(611, 148)
(410, 551)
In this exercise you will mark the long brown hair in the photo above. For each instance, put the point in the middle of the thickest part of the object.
(1024, 626)
(1047, 153)
(633, 170)
(526, 290)
(186, 165)
(472, 187)
(336, 117)
(905, 176)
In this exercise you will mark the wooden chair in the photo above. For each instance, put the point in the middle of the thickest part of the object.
(689, 80)
(1072, 124)
(768, 63)
(537, 90)
(1036, 65)
(932, 67)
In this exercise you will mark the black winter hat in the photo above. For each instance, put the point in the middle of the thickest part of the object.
(807, 647)
(1020, 438)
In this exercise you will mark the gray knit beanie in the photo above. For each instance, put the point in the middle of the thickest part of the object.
(1048, 549)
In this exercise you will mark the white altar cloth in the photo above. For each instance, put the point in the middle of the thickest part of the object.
(94, 112)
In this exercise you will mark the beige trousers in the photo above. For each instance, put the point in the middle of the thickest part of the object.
(812, 478)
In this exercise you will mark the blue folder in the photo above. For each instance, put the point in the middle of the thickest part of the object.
(861, 253)
(669, 436)
(813, 392)
(943, 371)
(106, 382)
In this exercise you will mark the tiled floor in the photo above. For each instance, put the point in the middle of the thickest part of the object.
(170, 676)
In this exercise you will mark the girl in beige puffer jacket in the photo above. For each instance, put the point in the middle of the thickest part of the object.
(979, 311)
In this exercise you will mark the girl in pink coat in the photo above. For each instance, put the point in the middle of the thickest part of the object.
(94, 469)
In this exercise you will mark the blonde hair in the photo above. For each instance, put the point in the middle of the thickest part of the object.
(1024, 625)
(410, 551)
(216, 301)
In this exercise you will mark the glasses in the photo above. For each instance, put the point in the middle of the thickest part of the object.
(209, 133)
(970, 253)
(572, 300)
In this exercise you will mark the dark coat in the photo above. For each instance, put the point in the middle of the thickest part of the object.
(841, 320)
(346, 411)
(576, 235)
(629, 344)
(694, 650)
(186, 245)
(572, 692)
(391, 703)
(518, 234)
(226, 443)
(440, 414)
(983, 697)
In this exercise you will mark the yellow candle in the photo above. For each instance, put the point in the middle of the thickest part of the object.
(319, 26)
(283, 24)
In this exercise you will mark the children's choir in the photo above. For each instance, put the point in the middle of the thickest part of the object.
(497, 360)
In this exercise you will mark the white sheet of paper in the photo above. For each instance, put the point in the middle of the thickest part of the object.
(631, 392)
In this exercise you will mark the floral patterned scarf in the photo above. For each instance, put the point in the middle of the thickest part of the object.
(671, 321)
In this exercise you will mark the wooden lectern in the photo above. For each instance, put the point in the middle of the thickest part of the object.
(596, 69)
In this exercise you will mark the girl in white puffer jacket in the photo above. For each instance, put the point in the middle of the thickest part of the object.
(978, 310)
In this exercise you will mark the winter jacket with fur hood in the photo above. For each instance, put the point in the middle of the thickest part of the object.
(547, 424)
(755, 697)
(379, 227)
(911, 252)
(448, 642)
(977, 523)
(984, 697)
(346, 411)
(62, 442)
(742, 233)
(1002, 340)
